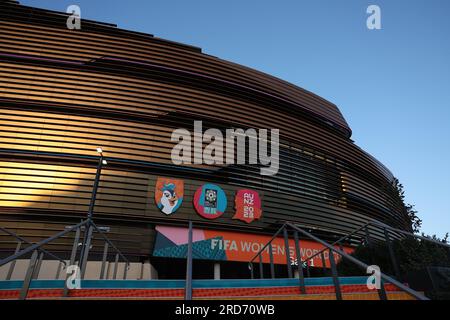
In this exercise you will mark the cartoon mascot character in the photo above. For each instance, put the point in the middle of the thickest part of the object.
(169, 201)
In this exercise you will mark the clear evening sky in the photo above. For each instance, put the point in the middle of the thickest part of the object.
(392, 85)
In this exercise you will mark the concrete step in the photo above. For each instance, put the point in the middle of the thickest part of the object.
(353, 288)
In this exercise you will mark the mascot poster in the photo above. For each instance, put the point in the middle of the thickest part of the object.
(169, 194)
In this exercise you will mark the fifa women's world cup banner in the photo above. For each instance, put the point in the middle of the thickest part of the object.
(233, 246)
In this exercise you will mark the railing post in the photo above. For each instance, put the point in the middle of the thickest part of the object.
(105, 255)
(324, 268)
(392, 254)
(116, 265)
(87, 247)
(188, 292)
(37, 268)
(337, 286)
(272, 269)
(261, 269)
(83, 238)
(13, 263)
(299, 263)
(28, 276)
(250, 266)
(58, 271)
(125, 271)
(288, 254)
(73, 256)
(382, 291)
(308, 272)
(362, 265)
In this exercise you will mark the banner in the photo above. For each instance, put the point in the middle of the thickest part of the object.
(233, 246)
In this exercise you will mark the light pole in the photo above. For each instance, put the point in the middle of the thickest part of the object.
(100, 164)
(89, 229)
(188, 289)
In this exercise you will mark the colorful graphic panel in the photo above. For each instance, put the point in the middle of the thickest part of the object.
(169, 194)
(248, 205)
(232, 246)
(210, 201)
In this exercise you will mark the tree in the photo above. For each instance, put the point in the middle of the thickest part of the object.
(407, 209)
(412, 254)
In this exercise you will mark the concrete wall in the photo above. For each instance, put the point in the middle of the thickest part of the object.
(49, 270)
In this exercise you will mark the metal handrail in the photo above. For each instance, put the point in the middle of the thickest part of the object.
(110, 243)
(35, 261)
(409, 233)
(39, 244)
(270, 241)
(332, 249)
(359, 263)
(28, 242)
(383, 225)
(336, 242)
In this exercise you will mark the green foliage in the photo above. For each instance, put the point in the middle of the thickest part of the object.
(408, 209)
(416, 254)
(411, 254)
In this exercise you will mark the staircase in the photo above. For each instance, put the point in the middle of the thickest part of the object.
(294, 287)
(353, 288)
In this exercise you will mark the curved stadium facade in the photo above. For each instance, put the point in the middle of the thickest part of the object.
(63, 93)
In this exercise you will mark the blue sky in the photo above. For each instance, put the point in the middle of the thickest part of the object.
(392, 85)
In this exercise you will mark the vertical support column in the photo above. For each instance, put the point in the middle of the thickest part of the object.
(116, 266)
(58, 271)
(324, 268)
(28, 276)
(216, 271)
(272, 268)
(382, 291)
(13, 263)
(95, 187)
(299, 263)
(188, 292)
(89, 227)
(337, 286)
(261, 269)
(87, 247)
(125, 270)
(73, 256)
(38, 266)
(250, 266)
(83, 235)
(392, 254)
(105, 255)
(288, 254)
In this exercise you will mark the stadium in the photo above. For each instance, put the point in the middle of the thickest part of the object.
(65, 93)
